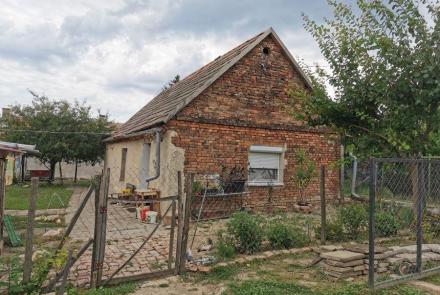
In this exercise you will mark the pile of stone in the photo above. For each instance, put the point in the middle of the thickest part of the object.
(381, 265)
(352, 260)
(430, 252)
(343, 264)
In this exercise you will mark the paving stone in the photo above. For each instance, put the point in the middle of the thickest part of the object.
(336, 269)
(345, 264)
(329, 248)
(342, 255)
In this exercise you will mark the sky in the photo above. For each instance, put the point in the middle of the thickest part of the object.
(118, 54)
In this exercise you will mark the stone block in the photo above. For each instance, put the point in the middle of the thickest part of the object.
(343, 255)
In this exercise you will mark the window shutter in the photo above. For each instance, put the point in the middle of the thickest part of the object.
(264, 160)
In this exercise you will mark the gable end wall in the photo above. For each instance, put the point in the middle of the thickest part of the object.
(249, 105)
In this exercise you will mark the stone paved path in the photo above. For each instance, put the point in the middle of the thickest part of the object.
(125, 234)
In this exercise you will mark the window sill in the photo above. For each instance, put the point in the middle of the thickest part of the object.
(269, 183)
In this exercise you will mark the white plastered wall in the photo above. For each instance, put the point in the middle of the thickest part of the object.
(172, 161)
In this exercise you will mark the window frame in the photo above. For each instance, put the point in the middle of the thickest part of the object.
(262, 149)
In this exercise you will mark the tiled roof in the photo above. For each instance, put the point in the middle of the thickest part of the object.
(169, 102)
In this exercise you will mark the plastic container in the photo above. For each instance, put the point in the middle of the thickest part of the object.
(144, 213)
(138, 212)
(152, 216)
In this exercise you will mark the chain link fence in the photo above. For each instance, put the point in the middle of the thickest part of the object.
(404, 219)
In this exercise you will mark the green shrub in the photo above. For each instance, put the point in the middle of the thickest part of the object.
(354, 219)
(406, 217)
(334, 231)
(246, 232)
(386, 224)
(285, 236)
(225, 246)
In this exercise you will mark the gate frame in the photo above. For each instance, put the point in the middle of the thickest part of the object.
(421, 165)
(178, 202)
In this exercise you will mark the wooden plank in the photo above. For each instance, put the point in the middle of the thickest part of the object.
(179, 221)
(3, 163)
(27, 270)
(144, 200)
(173, 225)
(140, 277)
(96, 232)
(58, 276)
(103, 223)
(66, 271)
(75, 217)
(185, 232)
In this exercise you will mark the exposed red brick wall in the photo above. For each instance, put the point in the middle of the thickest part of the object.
(249, 93)
(209, 146)
(250, 105)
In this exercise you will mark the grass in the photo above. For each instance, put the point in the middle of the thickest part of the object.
(434, 279)
(17, 196)
(123, 289)
(289, 275)
(20, 222)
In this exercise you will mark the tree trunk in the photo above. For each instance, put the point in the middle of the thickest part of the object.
(76, 171)
(52, 166)
(61, 173)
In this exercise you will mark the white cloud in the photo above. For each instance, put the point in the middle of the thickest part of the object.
(118, 54)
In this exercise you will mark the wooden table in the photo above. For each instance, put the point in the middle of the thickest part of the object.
(142, 194)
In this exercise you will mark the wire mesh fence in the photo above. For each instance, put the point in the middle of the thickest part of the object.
(215, 198)
(405, 212)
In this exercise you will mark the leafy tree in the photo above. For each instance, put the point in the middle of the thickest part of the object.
(304, 173)
(61, 131)
(385, 71)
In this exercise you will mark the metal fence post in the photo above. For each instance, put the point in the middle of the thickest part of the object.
(323, 205)
(342, 174)
(371, 223)
(420, 206)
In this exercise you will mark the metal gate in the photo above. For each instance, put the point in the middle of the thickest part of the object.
(404, 220)
(142, 251)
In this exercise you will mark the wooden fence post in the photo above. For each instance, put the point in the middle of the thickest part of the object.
(96, 233)
(179, 221)
(187, 216)
(103, 225)
(27, 271)
(3, 163)
(323, 204)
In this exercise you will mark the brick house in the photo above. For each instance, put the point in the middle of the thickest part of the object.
(234, 112)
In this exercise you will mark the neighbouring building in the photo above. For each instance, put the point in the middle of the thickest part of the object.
(233, 112)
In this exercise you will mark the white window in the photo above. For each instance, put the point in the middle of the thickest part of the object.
(265, 165)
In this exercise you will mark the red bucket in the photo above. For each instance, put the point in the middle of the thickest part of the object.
(144, 213)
